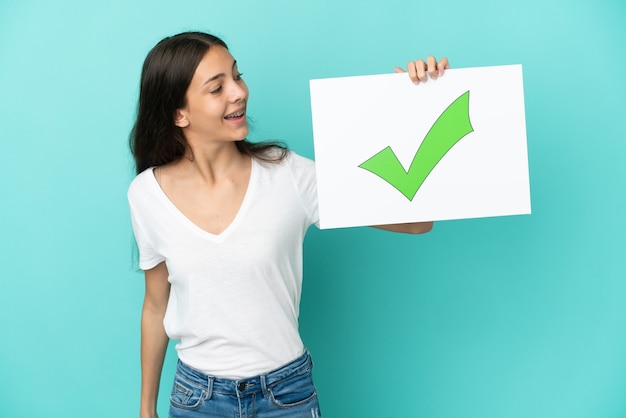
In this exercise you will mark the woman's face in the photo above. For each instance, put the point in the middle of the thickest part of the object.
(216, 101)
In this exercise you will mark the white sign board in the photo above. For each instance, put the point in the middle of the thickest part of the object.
(388, 151)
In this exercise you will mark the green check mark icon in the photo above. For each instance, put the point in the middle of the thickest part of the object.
(449, 128)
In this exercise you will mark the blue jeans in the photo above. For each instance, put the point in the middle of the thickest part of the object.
(286, 392)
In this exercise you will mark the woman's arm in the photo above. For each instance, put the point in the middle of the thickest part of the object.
(153, 338)
(408, 228)
(418, 71)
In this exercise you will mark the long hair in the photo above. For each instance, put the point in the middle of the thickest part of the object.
(165, 77)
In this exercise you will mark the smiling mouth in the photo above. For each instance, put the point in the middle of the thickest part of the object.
(235, 115)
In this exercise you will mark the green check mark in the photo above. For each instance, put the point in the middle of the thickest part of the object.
(449, 128)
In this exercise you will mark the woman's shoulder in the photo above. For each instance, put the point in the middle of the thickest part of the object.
(141, 183)
(301, 169)
(298, 160)
(292, 161)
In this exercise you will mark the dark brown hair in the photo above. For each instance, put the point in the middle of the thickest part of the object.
(167, 72)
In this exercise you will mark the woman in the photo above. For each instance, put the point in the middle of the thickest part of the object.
(219, 223)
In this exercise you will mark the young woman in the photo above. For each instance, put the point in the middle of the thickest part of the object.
(219, 223)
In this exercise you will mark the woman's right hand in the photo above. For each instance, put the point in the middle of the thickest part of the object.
(420, 69)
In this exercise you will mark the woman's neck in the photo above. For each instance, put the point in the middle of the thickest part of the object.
(213, 163)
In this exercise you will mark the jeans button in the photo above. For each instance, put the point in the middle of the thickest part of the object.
(241, 386)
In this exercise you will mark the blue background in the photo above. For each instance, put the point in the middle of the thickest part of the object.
(503, 317)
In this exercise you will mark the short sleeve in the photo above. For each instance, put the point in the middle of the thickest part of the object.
(303, 173)
(148, 256)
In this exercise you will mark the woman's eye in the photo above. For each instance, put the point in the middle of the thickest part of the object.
(217, 90)
(238, 76)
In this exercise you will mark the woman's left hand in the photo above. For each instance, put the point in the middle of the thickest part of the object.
(420, 69)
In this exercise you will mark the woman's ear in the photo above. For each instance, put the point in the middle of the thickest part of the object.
(180, 119)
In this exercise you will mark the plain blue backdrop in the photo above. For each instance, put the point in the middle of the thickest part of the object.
(511, 317)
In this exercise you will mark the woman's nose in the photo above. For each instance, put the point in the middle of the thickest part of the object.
(238, 91)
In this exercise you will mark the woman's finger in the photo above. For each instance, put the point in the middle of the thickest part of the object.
(432, 67)
(421, 68)
(442, 66)
(412, 72)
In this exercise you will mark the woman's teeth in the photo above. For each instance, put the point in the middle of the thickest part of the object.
(235, 115)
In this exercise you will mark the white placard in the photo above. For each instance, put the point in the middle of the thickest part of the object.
(465, 134)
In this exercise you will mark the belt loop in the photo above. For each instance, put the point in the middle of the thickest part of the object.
(209, 387)
(266, 392)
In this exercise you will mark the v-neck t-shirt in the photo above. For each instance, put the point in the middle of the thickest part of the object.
(234, 296)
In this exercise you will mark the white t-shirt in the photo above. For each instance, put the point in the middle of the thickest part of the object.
(234, 298)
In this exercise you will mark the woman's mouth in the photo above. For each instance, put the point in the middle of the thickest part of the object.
(235, 115)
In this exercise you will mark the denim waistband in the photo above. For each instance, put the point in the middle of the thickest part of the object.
(247, 386)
